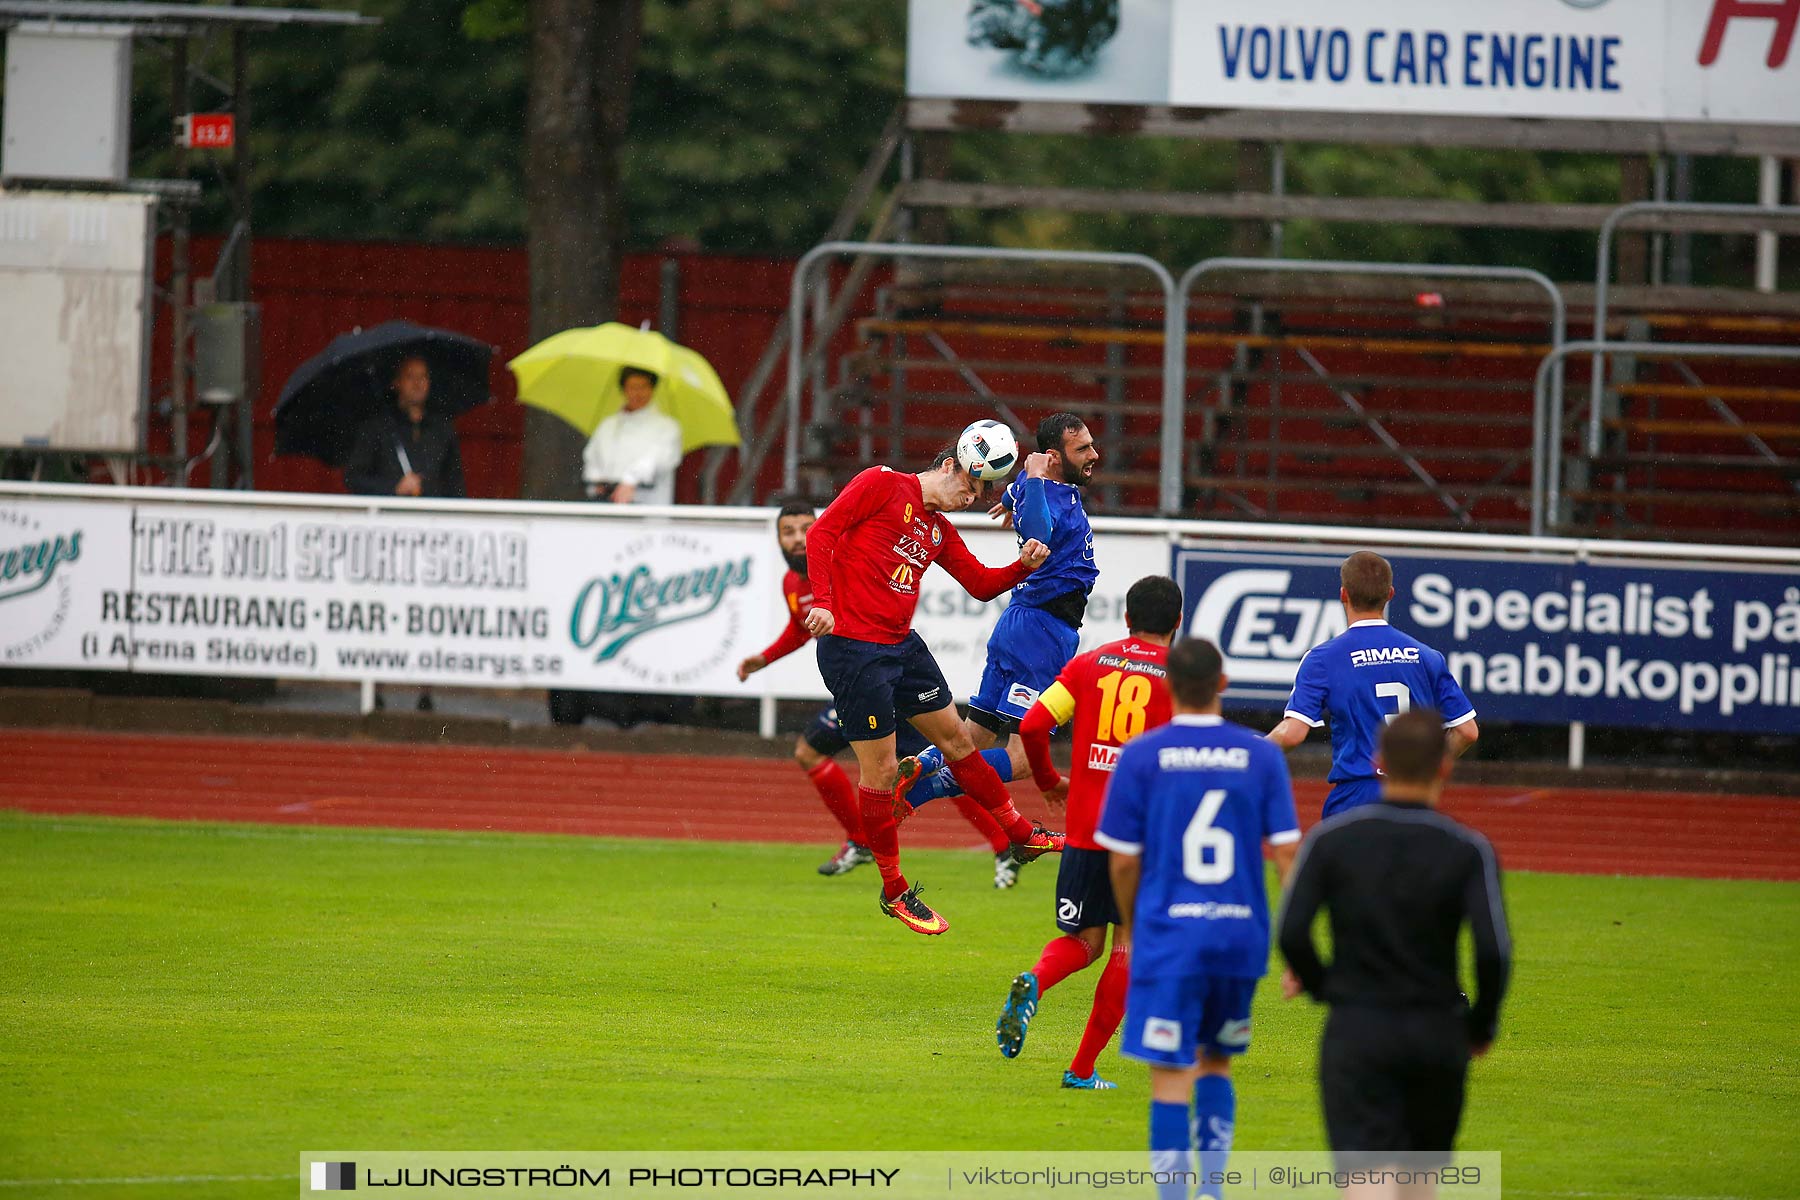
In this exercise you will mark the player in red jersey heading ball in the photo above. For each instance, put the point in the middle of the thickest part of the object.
(866, 555)
(817, 749)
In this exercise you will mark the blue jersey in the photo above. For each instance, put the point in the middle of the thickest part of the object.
(1196, 799)
(1365, 677)
(1050, 511)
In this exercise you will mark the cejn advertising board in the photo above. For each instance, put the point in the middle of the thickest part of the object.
(1539, 640)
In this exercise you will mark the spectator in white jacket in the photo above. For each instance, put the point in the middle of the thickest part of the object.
(633, 454)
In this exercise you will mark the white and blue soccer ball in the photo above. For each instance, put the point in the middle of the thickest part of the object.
(988, 450)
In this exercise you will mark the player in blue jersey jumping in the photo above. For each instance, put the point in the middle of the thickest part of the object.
(1039, 631)
(1187, 813)
(1365, 677)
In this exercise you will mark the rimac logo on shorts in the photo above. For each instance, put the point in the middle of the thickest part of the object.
(334, 1177)
(1162, 1034)
(1021, 696)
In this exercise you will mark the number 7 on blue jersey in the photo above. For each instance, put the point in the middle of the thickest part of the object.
(1399, 694)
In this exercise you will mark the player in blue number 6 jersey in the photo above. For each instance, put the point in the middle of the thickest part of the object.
(1039, 631)
(1365, 677)
(1187, 812)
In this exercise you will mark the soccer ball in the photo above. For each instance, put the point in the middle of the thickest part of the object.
(988, 450)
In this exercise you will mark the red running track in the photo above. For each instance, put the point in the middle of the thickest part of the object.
(768, 800)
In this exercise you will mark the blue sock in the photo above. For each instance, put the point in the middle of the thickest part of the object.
(1215, 1114)
(936, 782)
(1170, 1149)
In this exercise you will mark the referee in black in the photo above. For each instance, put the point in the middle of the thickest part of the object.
(1398, 879)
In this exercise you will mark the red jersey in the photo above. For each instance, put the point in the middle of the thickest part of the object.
(798, 593)
(868, 549)
(1114, 693)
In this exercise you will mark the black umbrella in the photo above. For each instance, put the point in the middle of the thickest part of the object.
(331, 394)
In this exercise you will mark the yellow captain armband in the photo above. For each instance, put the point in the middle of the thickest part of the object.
(1057, 699)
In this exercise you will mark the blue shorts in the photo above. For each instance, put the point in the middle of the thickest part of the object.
(1169, 1022)
(824, 734)
(876, 686)
(1351, 793)
(1025, 653)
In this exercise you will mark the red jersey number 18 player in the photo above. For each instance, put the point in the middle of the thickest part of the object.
(866, 555)
(1112, 694)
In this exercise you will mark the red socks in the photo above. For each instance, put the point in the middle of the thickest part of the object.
(884, 837)
(985, 803)
(977, 779)
(972, 812)
(839, 795)
(1109, 1010)
(1062, 957)
(984, 823)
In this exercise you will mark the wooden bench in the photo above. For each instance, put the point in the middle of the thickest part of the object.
(1702, 391)
(1767, 429)
(1767, 501)
(1083, 335)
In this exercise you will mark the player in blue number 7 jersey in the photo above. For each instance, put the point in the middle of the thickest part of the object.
(1187, 812)
(1365, 677)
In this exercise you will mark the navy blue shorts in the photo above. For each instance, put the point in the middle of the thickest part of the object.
(824, 734)
(875, 687)
(1026, 652)
(1084, 895)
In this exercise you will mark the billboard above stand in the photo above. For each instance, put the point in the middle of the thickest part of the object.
(1686, 61)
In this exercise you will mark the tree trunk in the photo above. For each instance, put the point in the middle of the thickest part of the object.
(1633, 249)
(583, 58)
(1255, 173)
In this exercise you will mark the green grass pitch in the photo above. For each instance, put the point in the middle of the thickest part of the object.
(197, 1004)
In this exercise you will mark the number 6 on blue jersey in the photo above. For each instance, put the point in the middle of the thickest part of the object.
(1202, 835)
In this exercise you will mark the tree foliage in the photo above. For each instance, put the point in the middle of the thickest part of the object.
(405, 129)
(750, 118)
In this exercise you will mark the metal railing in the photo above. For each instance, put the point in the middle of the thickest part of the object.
(1547, 398)
(1172, 430)
(1173, 357)
(1698, 217)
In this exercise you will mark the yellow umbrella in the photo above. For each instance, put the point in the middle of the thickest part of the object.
(575, 374)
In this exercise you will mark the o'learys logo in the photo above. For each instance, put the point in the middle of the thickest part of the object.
(24, 569)
(32, 612)
(613, 610)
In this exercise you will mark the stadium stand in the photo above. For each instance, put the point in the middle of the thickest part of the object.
(1333, 400)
